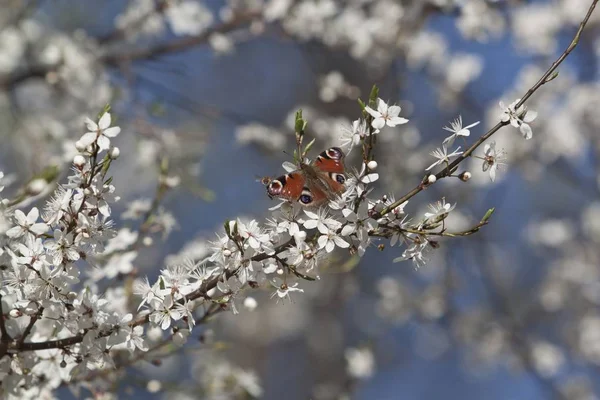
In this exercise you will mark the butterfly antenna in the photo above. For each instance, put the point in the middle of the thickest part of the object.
(264, 180)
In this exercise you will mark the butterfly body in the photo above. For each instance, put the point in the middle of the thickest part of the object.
(312, 184)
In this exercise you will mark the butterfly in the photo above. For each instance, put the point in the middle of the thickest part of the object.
(312, 184)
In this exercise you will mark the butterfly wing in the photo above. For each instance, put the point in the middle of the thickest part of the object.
(295, 187)
(312, 184)
(330, 164)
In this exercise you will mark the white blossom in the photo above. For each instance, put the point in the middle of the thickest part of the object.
(442, 156)
(62, 247)
(253, 233)
(100, 132)
(416, 253)
(385, 115)
(438, 210)
(352, 136)
(283, 290)
(164, 312)
(492, 159)
(361, 362)
(518, 118)
(27, 224)
(330, 239)
(457, 130)
(320, 220)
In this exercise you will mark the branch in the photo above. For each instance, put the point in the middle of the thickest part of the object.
(32, 320)
(5, 339)
(547, 77)
(178, 45)
(8, 81)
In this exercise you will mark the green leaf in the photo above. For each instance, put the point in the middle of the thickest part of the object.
(361, 104)
(164, 165)
(308, 146)
(300, 124)
(552, 77)
(49, 174)
(487, 215)
(373, 96)
(104, 111)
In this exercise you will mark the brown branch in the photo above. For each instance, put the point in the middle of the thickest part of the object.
(5, 339)
(177, 45)
(32, 320)
(547, 77)
(8, 81)
(120, 33)
(35, 71)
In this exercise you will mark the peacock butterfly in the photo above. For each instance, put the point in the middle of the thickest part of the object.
(312, 184)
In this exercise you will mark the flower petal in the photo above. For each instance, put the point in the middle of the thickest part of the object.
(103, 142)
(373, 113)
(394, 111)
(530, 116)
(20, 217)
(112, 132)
(91, 125)
(378, 123)
(526, 131)
(33, 215)
(382, 106)
(396, 121)
(104, 121)
(88, 138)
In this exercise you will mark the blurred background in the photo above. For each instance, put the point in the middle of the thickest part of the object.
(212, 86)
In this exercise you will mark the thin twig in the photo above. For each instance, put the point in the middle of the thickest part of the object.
(32, 320)
(177, 45)
(544, 79)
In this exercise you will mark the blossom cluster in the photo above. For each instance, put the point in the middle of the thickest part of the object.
(55, 266)
(58, 328)
(44, 261)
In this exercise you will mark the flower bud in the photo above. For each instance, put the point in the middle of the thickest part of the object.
(431, 179)
(465, 176)
(79, 161)
(250, 303)
(147, 241)
(36, 186)
(300, 237)
(172, 181)
(372, 165)
(153, 386)
(80, 146)
(114, 153)
(14, 313)
(180, 337)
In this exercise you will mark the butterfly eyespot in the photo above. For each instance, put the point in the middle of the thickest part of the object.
(274, 188)
(334, 153)
(306, 197)
(339, 178)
